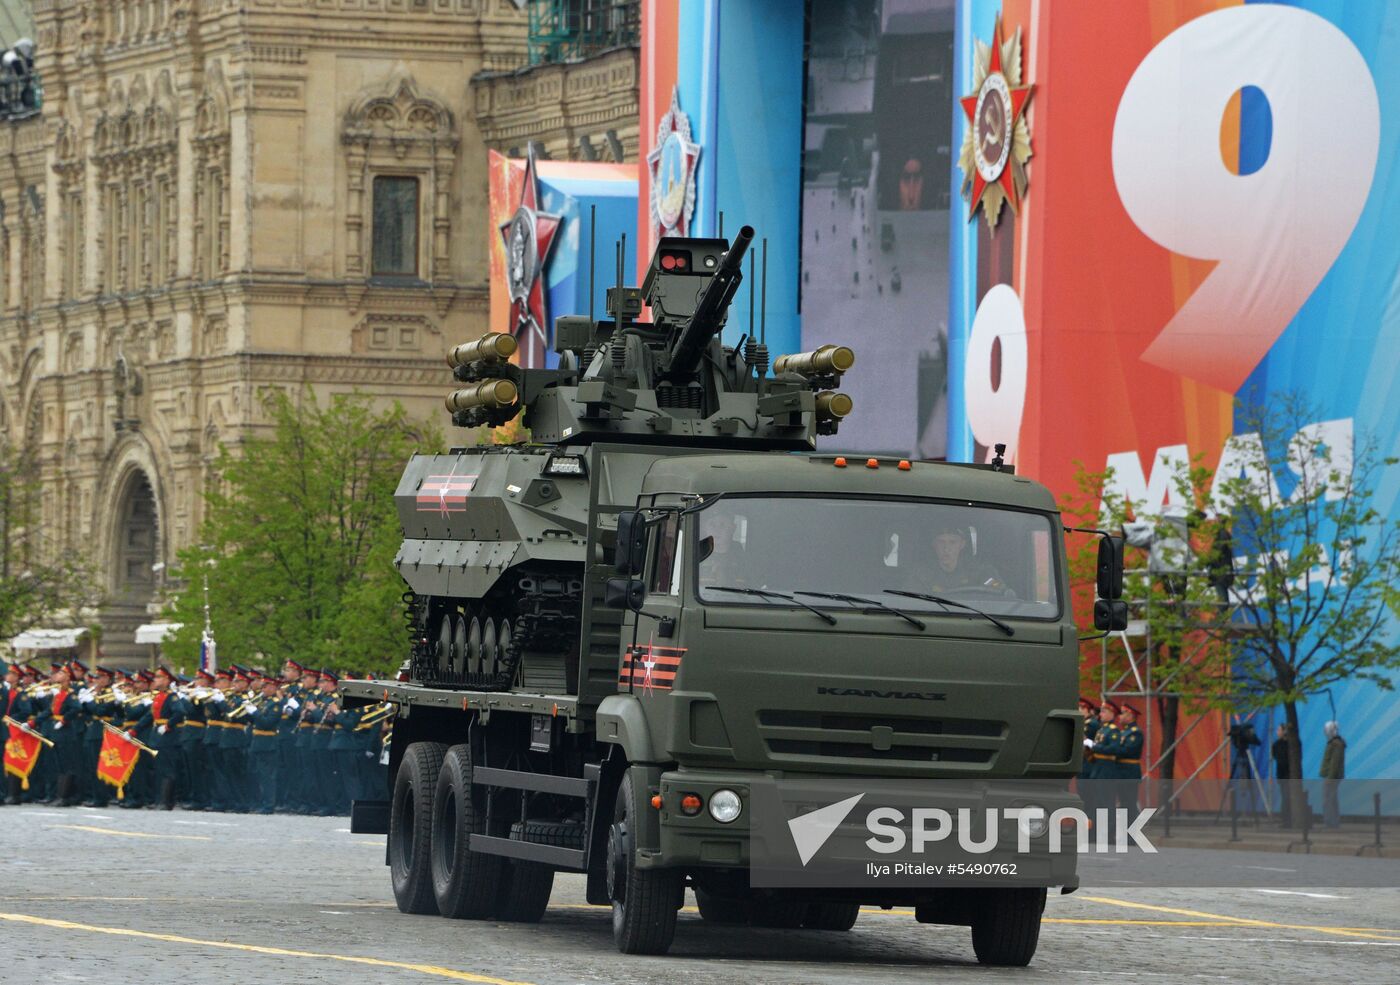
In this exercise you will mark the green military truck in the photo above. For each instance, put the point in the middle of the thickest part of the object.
(617, 627)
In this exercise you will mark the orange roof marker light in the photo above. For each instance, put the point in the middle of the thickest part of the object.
(904, 465)
(872, 463)
(839, 461)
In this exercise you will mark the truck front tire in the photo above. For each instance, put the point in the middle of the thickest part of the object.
(464, 882)
(411, 827)
(1006, 926)
(644, 901)
(831, 916)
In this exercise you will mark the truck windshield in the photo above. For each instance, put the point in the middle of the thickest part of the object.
(995, 560)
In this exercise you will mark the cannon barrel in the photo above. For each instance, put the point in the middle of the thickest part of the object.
(493, 347)
(487, 393)
(710, 309)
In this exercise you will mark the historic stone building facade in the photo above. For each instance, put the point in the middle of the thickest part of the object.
(219, 199)
(227, 197)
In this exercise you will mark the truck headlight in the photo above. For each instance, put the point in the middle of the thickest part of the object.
(725, 806)
(1034, 820)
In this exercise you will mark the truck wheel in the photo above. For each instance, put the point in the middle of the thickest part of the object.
(722, 909)
(464, 881)
(1006, 926)
(831, 916)
(783, 914)
(644, 901)
(411, 827)
(524, 892)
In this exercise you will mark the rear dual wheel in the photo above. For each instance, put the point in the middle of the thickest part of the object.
(410, 827)
(464, 882)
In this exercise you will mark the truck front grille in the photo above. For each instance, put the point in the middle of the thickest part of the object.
(816, 736)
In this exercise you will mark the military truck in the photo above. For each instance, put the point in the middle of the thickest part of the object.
(618, 625)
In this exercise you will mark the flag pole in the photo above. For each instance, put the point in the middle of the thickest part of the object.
(28, 731)
(134, 741)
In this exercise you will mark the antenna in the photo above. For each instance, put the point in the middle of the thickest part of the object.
(752, 261)
(721, 223)
(763, 316)
(592, 254)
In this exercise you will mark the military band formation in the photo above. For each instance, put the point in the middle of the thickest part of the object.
(233, 740)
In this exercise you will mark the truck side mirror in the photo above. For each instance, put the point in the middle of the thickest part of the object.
(1110, 615)
(630, 556)
(1110, 579)
(625, 593)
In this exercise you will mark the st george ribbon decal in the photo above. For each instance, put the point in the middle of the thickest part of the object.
(997, 143)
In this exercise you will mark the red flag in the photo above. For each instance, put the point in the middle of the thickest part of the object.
(21, 753)
(116, 760)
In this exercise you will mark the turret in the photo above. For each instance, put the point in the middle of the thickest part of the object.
(669, 380)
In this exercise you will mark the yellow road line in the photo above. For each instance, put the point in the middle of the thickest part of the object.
(1382, 935)
(130, 834)
(424, 969)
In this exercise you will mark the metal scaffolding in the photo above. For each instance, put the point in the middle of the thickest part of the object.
(570, 30)
(1130, 666)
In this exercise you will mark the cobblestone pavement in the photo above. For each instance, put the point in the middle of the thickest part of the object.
(119, 896)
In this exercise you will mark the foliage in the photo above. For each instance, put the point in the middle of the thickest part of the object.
(40, 581)
(298, 539)
(1321, 589)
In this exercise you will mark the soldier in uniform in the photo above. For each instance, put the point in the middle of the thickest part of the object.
(129, 720)
(325, 776)
(13, 704)
(288, 765)
(215, 713)
(954, 568)
(235, 740)
(1090, 711)
(57, 719)
(103, 705)
(307, 719)
(1101, 755)
(263, 747)
(342, 750)
(193, 789)
(157, 725)
(1127, 759)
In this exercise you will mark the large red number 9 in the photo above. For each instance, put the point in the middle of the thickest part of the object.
(1275, 232)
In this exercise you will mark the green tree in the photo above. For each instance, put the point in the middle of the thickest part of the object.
(299, 537)
(1319, 589)
(40, 581)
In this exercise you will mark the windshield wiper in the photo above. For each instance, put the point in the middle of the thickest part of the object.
(950, 602)
(765, 593)
(872, 603)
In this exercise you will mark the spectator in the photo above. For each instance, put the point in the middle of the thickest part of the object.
(1284, 773)
(1334, 770)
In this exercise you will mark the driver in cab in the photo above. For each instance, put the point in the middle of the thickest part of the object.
(955, 567)
(722, 560)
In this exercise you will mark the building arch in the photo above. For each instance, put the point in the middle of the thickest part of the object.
(131, 518)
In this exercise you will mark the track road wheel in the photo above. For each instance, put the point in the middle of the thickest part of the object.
(722, 909)
(644, 901)
(503, 634)
(411, 827)
(472, 661)
(488, 645)
(1006, 925)
(444, 645)
(831, 916)
(464, 881)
